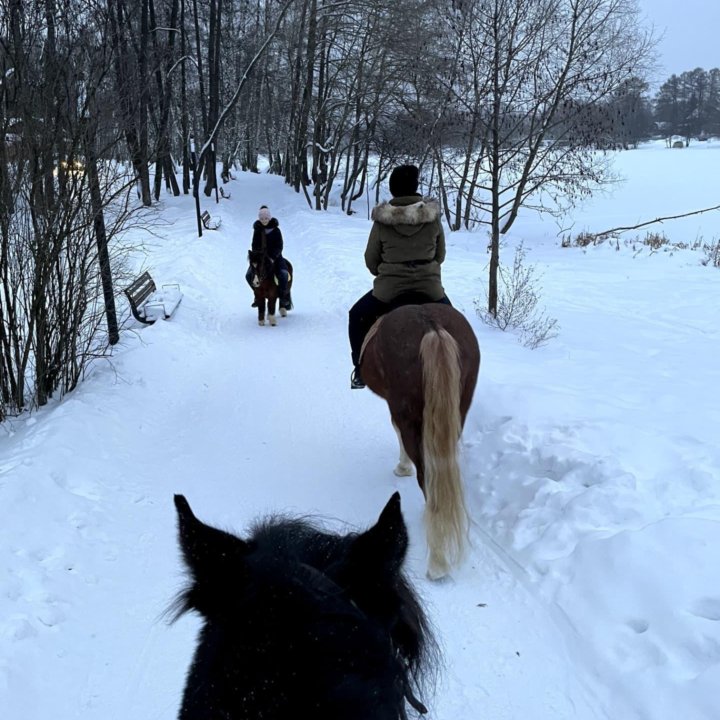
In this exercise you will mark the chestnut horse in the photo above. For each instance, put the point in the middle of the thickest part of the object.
(424, 361)
(265, 285)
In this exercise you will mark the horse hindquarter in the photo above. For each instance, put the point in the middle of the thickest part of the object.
(424, 361)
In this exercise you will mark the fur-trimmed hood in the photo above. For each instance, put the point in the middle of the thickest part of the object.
(423, 211)
(258, 226)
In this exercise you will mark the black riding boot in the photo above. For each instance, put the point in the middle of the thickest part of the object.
(356, 381)
(284, 290)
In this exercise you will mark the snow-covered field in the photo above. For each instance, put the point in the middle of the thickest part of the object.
(592, 466)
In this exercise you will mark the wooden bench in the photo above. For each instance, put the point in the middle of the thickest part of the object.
(208, 223)
(148, 304)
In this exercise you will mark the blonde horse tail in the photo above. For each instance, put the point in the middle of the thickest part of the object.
(446, 518)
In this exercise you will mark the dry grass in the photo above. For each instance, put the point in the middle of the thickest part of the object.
(654, 241)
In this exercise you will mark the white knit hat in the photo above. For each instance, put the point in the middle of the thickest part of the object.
(264, 214)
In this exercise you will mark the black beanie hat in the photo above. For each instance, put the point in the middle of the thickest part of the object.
(404, 180)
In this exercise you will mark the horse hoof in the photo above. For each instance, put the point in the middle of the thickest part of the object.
(437, 572)
(438, 576)
(272, 320)
(261, 322)
(283, 312)
(403, 470)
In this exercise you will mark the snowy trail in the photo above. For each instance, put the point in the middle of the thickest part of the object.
(247, 420)
(232, 421)
(314, 426)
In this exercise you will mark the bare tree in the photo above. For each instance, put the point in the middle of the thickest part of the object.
(213, 131)
(163, 58)
(56, 302)
(130, 46)
(533, 73)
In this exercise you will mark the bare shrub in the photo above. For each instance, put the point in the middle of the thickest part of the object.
(711, 254)
(582, 239)
(53, 322)
(65, 207)
(655, 240)
(518, 304)
(585, 238)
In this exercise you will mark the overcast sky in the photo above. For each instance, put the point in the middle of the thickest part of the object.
(691, 31)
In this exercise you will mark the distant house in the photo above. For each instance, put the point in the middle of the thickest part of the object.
(676, 141)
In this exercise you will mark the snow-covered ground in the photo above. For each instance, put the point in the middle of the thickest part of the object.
(592, 466)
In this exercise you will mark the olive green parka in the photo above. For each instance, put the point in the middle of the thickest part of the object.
(406, 248)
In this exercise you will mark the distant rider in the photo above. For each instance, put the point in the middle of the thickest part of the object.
(267, 238)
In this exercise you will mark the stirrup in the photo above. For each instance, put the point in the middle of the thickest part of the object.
(356, 381)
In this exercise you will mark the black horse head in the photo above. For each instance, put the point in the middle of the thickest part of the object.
(299, 622)
(262, 265)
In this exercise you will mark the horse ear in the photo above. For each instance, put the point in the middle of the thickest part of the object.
(386, 542)
(204, 548)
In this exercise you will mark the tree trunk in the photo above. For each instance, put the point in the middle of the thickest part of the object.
(214, 38)
(100, 234)
(131, 109)
(184, 114)
(164, 86)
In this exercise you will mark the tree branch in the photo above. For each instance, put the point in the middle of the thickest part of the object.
(613, 231)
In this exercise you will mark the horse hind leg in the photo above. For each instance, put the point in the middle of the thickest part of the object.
(439, 565)
(404, 468)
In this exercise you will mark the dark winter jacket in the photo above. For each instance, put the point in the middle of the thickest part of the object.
(271, 235)
(406, 248)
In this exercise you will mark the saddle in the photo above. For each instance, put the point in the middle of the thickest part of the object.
(410, 298)
(277, 282)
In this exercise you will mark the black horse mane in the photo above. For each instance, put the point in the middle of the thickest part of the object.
(300, 620)
(262, 260)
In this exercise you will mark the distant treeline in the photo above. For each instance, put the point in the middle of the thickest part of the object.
(687, 104)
